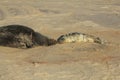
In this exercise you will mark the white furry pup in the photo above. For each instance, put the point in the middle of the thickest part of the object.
(78, 37)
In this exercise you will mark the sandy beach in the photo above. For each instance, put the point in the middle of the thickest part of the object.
(70, 61)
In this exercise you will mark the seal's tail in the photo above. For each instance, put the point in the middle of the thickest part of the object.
(99, 41)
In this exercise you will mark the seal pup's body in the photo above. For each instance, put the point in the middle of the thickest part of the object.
(78, 37)
(19, 36)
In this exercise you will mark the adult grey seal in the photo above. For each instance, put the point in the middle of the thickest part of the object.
(20, 36)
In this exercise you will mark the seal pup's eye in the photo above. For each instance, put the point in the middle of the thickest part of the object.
(62, 39)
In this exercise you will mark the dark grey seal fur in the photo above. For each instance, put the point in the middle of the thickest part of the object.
(20, 36)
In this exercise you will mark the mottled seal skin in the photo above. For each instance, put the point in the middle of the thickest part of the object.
(20, 36)
(78, 37)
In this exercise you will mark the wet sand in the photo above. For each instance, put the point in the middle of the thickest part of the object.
(71, 61)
